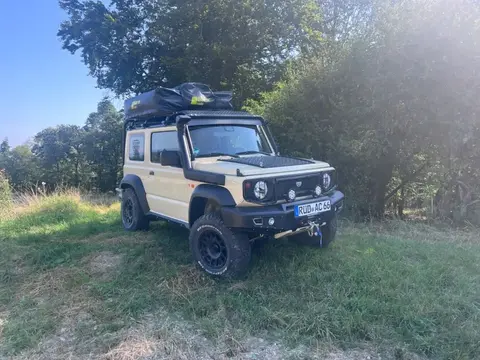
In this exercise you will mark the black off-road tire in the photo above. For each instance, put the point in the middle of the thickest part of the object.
(133, 218)
(329, 233)
(218, 250)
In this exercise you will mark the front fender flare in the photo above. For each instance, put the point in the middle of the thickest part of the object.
(219, 194)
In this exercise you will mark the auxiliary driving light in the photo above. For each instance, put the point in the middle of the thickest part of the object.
(318, 190)
(271, 221)
(292, 195)
(327, 180)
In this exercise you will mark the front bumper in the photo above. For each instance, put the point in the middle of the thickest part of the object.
(257, 218)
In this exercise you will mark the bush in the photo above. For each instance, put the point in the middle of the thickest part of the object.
(378, 114)
(5, 193)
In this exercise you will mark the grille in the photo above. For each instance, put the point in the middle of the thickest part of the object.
(306, 188)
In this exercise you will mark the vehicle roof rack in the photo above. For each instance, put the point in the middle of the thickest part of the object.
(195, 115)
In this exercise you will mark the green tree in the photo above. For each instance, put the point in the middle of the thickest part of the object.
(135, 45)
(5, 193)
(103, 145)
(60, 154)
(23, 170)
(4, 146)
(396, 104)
(19, 165)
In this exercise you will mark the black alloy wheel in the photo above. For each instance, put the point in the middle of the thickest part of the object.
(128, 212)
(213, 250)
(133, 217)
(217, 249)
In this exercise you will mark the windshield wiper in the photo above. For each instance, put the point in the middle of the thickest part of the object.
(217, 154)
(253, 152)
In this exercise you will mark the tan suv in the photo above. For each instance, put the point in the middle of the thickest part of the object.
(218, 173)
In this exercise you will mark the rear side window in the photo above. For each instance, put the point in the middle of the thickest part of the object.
(137, 147)
(165, 140)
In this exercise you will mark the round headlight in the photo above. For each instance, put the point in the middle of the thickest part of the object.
(318, 190)
(292, 195)
(260, 190)
(327, 180)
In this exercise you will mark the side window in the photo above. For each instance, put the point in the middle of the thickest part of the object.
(137, 147)
(165, 140)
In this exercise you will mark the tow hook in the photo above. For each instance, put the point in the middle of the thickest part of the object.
(315, 230)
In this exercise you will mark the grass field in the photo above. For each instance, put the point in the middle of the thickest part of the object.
(73, 284)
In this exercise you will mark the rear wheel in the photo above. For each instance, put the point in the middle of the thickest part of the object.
(217, 249)
(133, 217)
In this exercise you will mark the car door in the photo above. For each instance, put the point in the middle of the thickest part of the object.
(168, 193)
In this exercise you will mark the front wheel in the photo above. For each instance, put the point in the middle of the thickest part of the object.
(217, 249)
(329, 233)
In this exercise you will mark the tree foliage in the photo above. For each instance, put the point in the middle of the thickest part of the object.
(70, 155)
(135, 45)
(5, 192)
(401, 102)
(103, 145)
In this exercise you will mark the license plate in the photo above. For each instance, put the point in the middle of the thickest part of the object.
(312, 209)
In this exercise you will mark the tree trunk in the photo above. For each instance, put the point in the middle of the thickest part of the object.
(77, 174)
(383, 175)
(401, 203)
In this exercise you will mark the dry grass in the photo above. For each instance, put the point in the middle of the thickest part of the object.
(119, 239)
(3, 317)
(135, 347)
(103, 264)
(188, 281)
(33, 200)
(160, 337)
(48, 284)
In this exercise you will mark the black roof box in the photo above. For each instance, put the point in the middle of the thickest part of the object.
(167, 101)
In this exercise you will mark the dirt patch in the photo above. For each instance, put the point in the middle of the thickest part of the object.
(368, 355)
(65, 343)
(164, 336)
(104, 264)
(62, 290)
(161, 337)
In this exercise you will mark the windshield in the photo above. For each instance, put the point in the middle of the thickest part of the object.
(216, 140)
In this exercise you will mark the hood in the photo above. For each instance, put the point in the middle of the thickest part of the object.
(253, 165)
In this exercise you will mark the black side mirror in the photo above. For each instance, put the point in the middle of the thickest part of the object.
(170, 158)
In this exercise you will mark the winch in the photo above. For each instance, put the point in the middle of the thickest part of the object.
(313, 229)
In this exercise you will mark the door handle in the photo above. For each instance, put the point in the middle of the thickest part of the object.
(152, 173)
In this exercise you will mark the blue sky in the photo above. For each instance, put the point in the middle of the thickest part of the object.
(41, 85)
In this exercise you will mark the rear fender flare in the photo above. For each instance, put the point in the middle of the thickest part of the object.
(136, 184)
